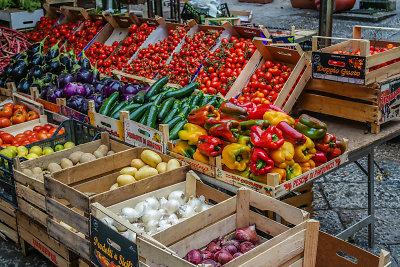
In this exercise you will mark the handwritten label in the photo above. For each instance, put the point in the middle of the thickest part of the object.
(73, 114)
(141, 135)
(114, 127)
(43, 248)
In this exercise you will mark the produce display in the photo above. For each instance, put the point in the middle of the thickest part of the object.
(12, 43)
(28, 5)
(224, 249)
(43, 27)
(11, 114)
(222, 67)
(254, 140)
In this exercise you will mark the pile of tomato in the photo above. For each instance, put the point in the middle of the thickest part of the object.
(43, 25)
(153, 58)
(99, 53)
(223, 66)
(29, 136)
(81, 38)
(266, 83)
(15, 114)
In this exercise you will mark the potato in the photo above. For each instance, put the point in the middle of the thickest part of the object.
(110, 153)
(151, 158)
(54, 167)
(128, 170)
(125, 179)
(66, 163)
(114, 186)
(37, 170)
(162, 167)
(173, 164)
(103, 149)
(87, 157)
(75, 157)
(98, 154)
(145, 172)
(38, 176)
(137, 163)
(27, 172)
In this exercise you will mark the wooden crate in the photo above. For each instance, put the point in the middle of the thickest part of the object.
(85, 184)
(19, 19)
(31, 192)
(34, 92)
(11, 88)
(20, 128)
(297, 245)
(8, 221)
(34, 235)
(374, 71)
(375, 103)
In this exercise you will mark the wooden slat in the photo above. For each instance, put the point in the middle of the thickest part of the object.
(7, 207)
(300, 200)
(298, 89)
(210, 193)
(311, 243)
(9, 232)
(32, 212)
(67, 215)
(382, 74)
(242, 208)
(267, 225)
(297, 263)
(24, 179)
(382, 57)
(30, 196)
(339, 108)
(8, 220)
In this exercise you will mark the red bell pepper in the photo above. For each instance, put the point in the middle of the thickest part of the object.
(210, 145)
(270, 138)
(335, 153)
(326, 144)
(228, 131)
(258, 112)
(247, 105)
(210, 122)
(319, 158)
(199, 116)
(290, 134)
(261, 162)
(231, 111)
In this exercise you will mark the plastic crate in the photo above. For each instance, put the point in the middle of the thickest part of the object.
(75, 131)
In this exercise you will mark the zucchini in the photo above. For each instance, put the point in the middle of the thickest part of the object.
(183, 92)
(173, 111)
(156, 88)
(129, 108)
(212, 102)
(109, 104)
(158, 100)
(165, 108)
(144, 117)
(204, 100)
(139, 97)
(138, 113)
(173, 133)
(185, 111)
(195, 100)
(153, 110)
(174, 121)
(117, 108)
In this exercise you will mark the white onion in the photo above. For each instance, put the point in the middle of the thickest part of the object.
(151, 215)
(195, 203)
(139, 226)
(186, 211)
(130, 235)
(173, 219)
(163, 201)
(163, 225)
(151, 226)
(131, 214)
(119, 226)
(173, 205)
(178, 195)
(107, 220)
(153, 203)
(141, 207)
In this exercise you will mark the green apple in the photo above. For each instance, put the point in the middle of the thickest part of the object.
(13, 148)
(9, 153)
(69, 145)
(58, 147)
(47, 150)
(36, 150)
(22, 151)
(32, 156)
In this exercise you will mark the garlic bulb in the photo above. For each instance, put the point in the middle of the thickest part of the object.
(173, 219)
(195, 203)
(178, 195)
(141, 207)
(151, 226)
(173, 205)
(130, 235)
(163, 224)
(152, 203)
(163, 201)
(119, 226)
(186, 211)
(151, 215)
(131, 214)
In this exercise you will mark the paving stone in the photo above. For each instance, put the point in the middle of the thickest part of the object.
(319, 200)
(329, 221)
(10, 256)
(395, 252)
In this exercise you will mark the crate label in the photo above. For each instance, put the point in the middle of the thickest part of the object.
(138, 134)
(48, 105)
(112, 126)
(73, 114)
(283, 39)
(338, 68)
(389, 101)
(286, 187)
(45, 250)
(109, 248)
(195, 165)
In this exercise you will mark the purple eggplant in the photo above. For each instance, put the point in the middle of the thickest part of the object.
(74, 89)
(98, 87)
(45, 90)
(83, 76)
(111, 86)
(127, 98)
(98, 100)
(89, 89)
(75, 102)
(84, 108)
(63, 79)
(130, 89)
(53, 94)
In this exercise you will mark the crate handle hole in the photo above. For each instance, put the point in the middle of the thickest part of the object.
(113, 244)
(284, 53)
(27, 22)
(346, 256)
(144, 132)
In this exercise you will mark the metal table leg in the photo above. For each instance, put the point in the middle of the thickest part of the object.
(371, 206)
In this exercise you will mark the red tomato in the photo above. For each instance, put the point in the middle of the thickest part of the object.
(28, 132)
(7, 138)
(48, 127)
(4, 122)
(42, 136)
(37, 128)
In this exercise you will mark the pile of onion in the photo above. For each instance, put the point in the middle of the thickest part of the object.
(221, 250)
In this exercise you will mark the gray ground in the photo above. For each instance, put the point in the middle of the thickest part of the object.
(340, 198)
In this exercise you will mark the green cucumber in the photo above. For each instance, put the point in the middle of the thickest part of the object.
(144, 117)
(185, 111)
(156, 88)
(183, 92)
(204, 100)
(173, 133)
(117, 108)
(174, 121)
(109, 104)
(165, 108)
(173, 111)
(139, 97)
(195, 100)
(138, 113)
(128, 108)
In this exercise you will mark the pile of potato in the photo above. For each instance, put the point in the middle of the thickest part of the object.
(149, 164)
(75, 158)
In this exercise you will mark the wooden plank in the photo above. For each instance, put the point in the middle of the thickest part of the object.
(288, 213)
(300, 200)
(32, 212)
(30, 196)
(8, 220)
(382, 74)
(190, 184)
(243, 208)
(67, 215)
(9, 232)
(267, 225)
(384, 258)
(24, 179)
(7, 207)
(339, 108)
(297, 263)
(72, 240)
(311, 243)
(382, 57)
(292, 99)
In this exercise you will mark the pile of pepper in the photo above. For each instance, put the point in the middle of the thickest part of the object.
(255, 140)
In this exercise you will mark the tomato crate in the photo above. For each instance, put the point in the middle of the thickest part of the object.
(49, 106)
(187, 182)
(11, 88)
(30, 189)
(70, 193)
(375, 103)
(8, 221)
(364, 66)
(34, 236)
(277, 244)
(300, 74)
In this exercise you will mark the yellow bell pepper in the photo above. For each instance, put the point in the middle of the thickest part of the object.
(282, 156)
(191, 133)
(236, 156)
(184, 149)
(200, 157)
(293, 170)
(275, 117)
(307, 166)
(304, 152)
(282, 174)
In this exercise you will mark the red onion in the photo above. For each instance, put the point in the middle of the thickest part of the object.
(230, 248)
(211, 262)
(246, 246)
(213, 248)
(194, 256)
(223, 256)
(247, 234)
(234, 242)
(237, 254)
(207, 255)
